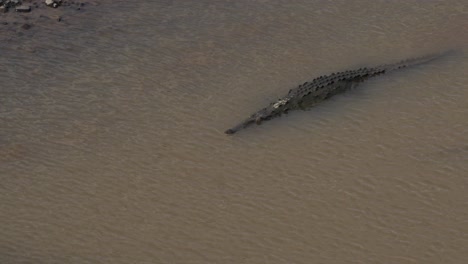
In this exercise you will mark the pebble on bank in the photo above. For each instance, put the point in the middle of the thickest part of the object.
(5, 5)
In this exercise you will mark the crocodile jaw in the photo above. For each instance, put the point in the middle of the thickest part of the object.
(256, 118)
(249, 121)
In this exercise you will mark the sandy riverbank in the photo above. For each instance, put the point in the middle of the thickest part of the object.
(36, 14)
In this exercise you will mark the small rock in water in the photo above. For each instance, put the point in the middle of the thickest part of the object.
(23, 8)
(26, 26)
(53, 3)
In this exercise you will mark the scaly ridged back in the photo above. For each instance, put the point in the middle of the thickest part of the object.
(323, 87)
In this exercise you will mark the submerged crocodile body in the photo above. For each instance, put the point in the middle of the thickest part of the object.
(311, 93)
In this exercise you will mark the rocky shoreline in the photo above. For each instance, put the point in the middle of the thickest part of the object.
(19, 15)
(26, 6)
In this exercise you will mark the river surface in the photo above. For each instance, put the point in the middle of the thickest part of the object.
(112, 147)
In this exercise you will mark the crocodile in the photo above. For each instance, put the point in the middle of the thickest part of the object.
(321, 88)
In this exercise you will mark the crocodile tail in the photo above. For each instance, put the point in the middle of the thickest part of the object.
(412, 62)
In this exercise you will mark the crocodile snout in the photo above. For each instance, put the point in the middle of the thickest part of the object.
(230, 131)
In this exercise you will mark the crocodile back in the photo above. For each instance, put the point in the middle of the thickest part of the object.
(326, 86)
(310, 93)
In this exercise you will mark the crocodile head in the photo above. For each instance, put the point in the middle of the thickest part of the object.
(273, 110)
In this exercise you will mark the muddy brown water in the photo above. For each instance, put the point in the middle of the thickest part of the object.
(112, 147)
